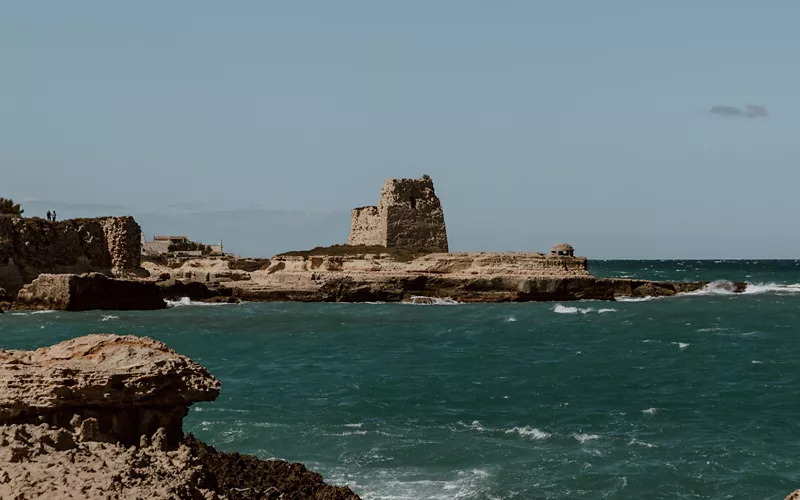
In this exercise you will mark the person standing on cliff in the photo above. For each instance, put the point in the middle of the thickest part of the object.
(49, 217)
(54, 215)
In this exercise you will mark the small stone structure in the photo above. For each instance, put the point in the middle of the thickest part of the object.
(563, 249)
(408, 215)
(179, 246)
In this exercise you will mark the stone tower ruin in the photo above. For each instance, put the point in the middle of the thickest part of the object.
(408, 215)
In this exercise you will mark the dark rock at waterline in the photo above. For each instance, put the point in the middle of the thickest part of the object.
(172, 289)
(624, 287)
(245, 477)
(72, 292)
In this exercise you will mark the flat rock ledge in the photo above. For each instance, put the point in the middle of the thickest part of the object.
(83, 292)
(101, 416)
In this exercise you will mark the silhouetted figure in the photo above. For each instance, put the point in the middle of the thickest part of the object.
(54, 215)
(49, 217)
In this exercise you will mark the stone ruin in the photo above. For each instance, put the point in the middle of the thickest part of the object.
(408, 215)
(32, 246)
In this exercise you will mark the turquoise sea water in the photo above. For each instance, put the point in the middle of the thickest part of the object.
(696, 396)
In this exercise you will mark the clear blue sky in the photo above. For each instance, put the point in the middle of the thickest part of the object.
(538, 121)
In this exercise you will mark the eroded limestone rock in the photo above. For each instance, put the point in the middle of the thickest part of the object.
(120, 388)
(98, 417)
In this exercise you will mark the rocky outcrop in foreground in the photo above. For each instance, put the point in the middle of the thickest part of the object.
(100, 416)
(72, 292)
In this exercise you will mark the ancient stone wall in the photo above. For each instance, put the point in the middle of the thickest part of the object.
(124, 242)
(409, 215)
(366, 227)
(32, 246)
(413, 214)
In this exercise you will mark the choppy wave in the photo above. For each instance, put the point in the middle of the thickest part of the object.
(27, 313)
(772, 288)
(561, 309)
(108, 317)
(636, 299)
(186, 301)
(725, 287)
(529, 432)
(582, 438)
(413, 484)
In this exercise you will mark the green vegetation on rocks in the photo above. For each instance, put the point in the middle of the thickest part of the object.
(8, 207)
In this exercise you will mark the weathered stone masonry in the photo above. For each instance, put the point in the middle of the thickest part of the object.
(29, 247)
(408, 215)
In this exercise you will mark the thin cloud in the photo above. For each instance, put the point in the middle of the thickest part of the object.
(751, 111)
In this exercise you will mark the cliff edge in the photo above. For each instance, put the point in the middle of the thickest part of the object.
(30, 247)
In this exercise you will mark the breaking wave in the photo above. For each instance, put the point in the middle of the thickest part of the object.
(582, 438)
(186, 301)
(529, 432)
(561, 309)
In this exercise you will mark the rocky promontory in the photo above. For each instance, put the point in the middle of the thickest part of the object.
(378, 274)
(101, 417)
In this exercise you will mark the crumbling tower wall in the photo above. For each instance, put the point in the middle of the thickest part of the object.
(408, 215)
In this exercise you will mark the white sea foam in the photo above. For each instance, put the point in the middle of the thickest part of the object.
(650, 411)
(635, 299)
(642, 443)
(756, 288)
(510, 319)
(186, 301)
(108, 317)
(529, 432)
(757, 362)
(475, 425)
(582, 438)
(410, 484)
(565, 309)
(358, 425)
(724, 287)
(350, 433)
(561, 309)
(681, 345)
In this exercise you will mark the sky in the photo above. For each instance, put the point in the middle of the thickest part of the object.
(622, 127)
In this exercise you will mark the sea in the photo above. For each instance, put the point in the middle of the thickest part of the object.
(695, 396)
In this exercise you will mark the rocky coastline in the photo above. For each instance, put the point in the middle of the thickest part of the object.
(467, 278)
(100, 417)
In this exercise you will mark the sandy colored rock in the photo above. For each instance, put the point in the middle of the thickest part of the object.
(373, 273)
(69, 413)
(44, 462)
(121, 387)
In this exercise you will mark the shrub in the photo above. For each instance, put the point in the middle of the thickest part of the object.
(7, 207)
